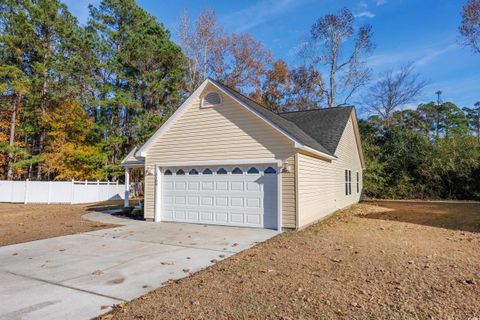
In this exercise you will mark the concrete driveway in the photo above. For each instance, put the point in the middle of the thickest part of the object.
(82, 276)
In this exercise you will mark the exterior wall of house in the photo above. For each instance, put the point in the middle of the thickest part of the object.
(321, 184)
(225, 132)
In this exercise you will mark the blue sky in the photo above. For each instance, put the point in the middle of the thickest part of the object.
(421, 31)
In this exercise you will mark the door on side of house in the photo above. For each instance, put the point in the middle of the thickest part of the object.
(245, 196)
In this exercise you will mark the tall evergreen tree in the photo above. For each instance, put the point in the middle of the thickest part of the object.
(138, 74)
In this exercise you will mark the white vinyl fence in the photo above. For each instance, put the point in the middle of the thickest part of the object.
(60, 191)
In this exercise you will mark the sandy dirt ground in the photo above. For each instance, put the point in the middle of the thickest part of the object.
(383, 260)
(22, 223)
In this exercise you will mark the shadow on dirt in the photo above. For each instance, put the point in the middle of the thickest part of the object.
(455, 216)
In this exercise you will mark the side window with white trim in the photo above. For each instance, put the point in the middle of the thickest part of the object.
(358, 182)
(346, 182)
(349, 182)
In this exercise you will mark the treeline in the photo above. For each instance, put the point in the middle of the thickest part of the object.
(75, 99)
(432, 152)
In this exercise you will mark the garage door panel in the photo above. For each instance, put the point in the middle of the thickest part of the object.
(180, 200)
(221, 185)
(194, 200)
(237, 218)
(194, 186)
(236, 202)
(253, 219)
(247, 199)
(253, 186)
(193, 215)
(207, 201)
(236, 185)
(221, 201)
(253, 203)
(221, 217)
(207, 186)
(206, 216)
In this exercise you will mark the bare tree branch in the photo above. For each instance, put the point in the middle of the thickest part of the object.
(394, 90)
(470, 26)
(330, 37)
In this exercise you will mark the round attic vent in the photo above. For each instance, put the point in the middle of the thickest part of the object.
(211, 99)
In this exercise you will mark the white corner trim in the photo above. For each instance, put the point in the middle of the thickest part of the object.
(219, 162)
(315, 152)
(143, 150)
(358, 139)
(157, 206)
(279, 197)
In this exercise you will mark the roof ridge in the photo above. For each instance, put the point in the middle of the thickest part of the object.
(319, 109)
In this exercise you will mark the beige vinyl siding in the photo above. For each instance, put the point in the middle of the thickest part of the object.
(321, 184)
(224, 132)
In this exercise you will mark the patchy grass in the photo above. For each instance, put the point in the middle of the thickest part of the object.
(22, 223)
(384, 260)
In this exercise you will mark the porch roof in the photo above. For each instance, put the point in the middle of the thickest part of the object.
(132, 160)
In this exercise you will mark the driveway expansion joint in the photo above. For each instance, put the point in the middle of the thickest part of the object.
(65, 286)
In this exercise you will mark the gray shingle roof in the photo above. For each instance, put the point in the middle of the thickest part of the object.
(318, 129)
(324, 125)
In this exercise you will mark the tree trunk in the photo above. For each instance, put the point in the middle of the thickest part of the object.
(13, 120)
(41, 141)
(331, 94)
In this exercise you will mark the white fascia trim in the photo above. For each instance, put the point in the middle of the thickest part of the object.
(315, 152)
(219, 162)
(358, 140)
(142, 152)
(286, 134)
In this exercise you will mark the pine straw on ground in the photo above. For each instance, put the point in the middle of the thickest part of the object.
(28, 222)
(385, 260)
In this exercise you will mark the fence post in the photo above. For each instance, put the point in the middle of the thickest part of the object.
(127, 188)
(72, 193)
(12, 189)
(98, 190)
(25, 201)
(49, 191)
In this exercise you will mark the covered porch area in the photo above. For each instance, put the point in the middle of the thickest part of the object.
(134, 168)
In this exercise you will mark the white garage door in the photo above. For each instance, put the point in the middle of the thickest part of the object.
(224, 195)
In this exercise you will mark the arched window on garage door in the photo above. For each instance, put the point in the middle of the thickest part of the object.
(253, 170)
(180, 172)
(237, 171)
(168, 172)
(221, 171)
(270, 170)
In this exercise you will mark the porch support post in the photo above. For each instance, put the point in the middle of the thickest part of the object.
(127, 188)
